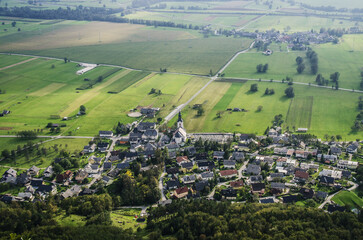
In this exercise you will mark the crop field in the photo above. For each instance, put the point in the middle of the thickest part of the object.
(298, 24)
(128, 45)
(282, 64)
(300, 111)
(324, 105)
(126, 81)
(348, 198)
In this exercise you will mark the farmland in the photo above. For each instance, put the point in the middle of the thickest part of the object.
(318, 108)
(282, 64)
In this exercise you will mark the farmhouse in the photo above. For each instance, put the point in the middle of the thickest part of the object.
(87, 67)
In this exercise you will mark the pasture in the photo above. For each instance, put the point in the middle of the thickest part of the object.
(318, 108)
(348, 198)
(8, 60)
(332, 58)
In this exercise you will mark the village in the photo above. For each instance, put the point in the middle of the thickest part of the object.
(276, 168)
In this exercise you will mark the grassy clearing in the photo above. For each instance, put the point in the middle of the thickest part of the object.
(7, 60)
(326, 109)
(300, 112)
(332, 58)
(347, 198)
(126, 81)
(125, 218)
(70, 220)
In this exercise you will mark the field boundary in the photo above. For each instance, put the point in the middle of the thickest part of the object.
(16, 64)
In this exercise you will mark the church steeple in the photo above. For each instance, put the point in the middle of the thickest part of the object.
(180, 121)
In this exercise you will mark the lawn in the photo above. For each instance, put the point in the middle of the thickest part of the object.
(318, 108)
(332, 58)
(347, 198)
(125, 218)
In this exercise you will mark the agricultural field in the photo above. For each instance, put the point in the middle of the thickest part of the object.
(100, 42)
(36, 93)
(348, 198)
(48, 4)
(282, 64)
(318, 108)
(334, 3)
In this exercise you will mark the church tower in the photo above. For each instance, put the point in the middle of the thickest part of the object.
(180, 123)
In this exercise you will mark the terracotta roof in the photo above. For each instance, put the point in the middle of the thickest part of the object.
(182, 159)
(228, 172)
(236, 184)
(301, 174)
(181, 190)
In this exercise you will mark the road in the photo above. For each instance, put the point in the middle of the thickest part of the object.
(16, 64)
(180, 107)
(161, 187)
(240, 171)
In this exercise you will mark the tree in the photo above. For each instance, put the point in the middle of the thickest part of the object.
(57, 168)
(13, 24)
(259, 68)
(219, 114)
(82, 110)
(338, 137)
(254, 87)
(336, 85)
(335, 76)
(289, 92)
(265, 68)
(65, 60)
(5, 153)
(299, 60)
(259, 108)
(200, 111)
(300, 68)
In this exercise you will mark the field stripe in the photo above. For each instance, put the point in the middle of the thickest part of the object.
(89, 95)
(16, 64)
(299, 113)
(47, 90)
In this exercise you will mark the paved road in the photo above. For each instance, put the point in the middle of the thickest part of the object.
(161, 188)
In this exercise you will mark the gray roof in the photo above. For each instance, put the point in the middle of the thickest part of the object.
(229, 163)
(207, 174)
(278, 185)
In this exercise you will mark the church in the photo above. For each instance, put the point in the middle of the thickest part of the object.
(180, 135)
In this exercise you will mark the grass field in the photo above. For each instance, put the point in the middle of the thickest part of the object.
(12, 143)
(282, 64)
(7, 60)
(125, 218)
(318, 108)
(348, 198)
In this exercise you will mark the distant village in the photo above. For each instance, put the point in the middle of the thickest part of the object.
(278, 167)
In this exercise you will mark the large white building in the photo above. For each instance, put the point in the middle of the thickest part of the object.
(180, 135)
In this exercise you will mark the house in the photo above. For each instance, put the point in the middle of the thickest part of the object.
(256, 178)
(81, 175)
(307, 166)
(267, 200)
(135, 137)
(107, 180)
(206, 165)
(347, 164)
(200, 186)
(149, 112)
(253, 169)
(47, 189)
(307, 193)
(331, 173)
(229, 193)
(207, 175)
(71, 192)
(353, 148)
(29, 189)
(102, 146)
(303, 130)
(190, 151)
(26, 196)
(150, 135)
(87, 191)
(66, 176)
(258, 188)
(34, 171)
(228, 173)
(277, 187)
(143, 126)
(187, 166)
(188, 179)
(321, 195)
(301, 176)
(88, 149)
(327, 158)
(229, 164)
(325, 180)
(107, 166)
(182, 159)
(105, 134)
(9, 176)
(335, 151)
(172, 170)
(218, 155)
(290, 199)
(346, 174)
(274, 176)
(23, 178)
(165, 139)
(35, 183)
(181, 192)
(123, 165)
(280, 151)
(48, 172)
(238, 156)
(172, 184)
(236, 184)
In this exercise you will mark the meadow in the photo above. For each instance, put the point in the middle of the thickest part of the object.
(348, 198)
(282, 64)
(318, 109)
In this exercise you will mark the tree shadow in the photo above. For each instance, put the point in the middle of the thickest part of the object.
(284, 98)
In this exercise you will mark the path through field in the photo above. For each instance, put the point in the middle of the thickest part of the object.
(16, 64)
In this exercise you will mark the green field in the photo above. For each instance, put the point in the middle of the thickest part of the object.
(348, 198)
(125, 218)
(318, 108)
(7, 60)
(282, 64)
(12, 143)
